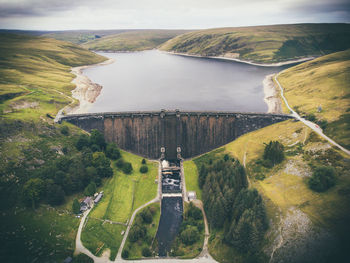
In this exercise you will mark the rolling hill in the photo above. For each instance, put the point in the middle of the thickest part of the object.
(264, 44)
(132, 40)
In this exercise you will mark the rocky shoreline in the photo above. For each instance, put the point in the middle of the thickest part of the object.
(86, 91)
(272, 98)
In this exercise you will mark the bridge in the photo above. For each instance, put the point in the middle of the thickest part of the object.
(153, 133)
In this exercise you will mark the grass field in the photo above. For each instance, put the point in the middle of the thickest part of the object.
(264, 44)
(191, 178)
(322, 82)
(123, 193)
(135, 248)
(99, 236)
(132, 40)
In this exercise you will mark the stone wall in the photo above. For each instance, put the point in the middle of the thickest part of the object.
(144, 133)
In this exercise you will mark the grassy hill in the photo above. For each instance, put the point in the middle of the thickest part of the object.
(305, 226)
(132, 40)
(322, 82)
(264, 44)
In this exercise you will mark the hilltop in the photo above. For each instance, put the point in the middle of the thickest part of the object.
(263, 44)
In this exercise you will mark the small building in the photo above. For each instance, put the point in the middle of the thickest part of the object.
(98, 198)
(191, 195)
(86, 204)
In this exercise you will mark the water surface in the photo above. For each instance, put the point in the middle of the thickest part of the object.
(153, 80)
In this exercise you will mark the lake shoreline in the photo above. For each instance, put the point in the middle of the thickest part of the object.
(277, 64)
(271, 97)
(86, 91)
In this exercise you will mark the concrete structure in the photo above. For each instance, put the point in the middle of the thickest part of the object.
(191, 195)
(173, 132)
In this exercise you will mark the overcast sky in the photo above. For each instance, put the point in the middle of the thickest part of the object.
(184, 14)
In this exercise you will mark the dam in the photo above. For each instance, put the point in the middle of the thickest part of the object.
(170, 134)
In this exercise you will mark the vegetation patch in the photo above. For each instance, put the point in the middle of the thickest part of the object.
(189, 241)
(142, 234)
(99, 235)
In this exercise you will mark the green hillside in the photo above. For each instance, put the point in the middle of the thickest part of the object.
(324, 83)
(35, 82)
(264, 44)
(133, 40)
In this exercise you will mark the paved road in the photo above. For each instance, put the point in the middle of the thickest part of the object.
(310, 124)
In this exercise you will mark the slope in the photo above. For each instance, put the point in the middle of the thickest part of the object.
(264, 44)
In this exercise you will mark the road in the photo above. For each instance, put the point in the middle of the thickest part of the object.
(310, 124)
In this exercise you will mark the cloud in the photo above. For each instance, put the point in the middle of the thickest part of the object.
(111, 14)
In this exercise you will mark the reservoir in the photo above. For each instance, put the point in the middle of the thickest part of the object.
(154, 80)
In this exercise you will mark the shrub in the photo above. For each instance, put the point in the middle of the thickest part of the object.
(322, 179)
(274, 151)
(137, 232)
(143, 161)
(311, 117)
(127, 168)
(146, 252)
(83, 141)
(65, 130)
(120, 163)
(226, 157)
(125, 253)
(143, 169)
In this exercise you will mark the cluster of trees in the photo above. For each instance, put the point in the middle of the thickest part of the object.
(229, 204)
(273, 153)
(126, 167)
(192, 225)
(322, 178)
(138, 231)
(144, 167)
(189, 232)
(73, 173)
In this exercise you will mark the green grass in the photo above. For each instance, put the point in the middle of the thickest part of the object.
(191, 178)
(124, 193)
(47, 235)
(135, 248)
(322, 82)
(98, 236)
(132, 40)
(264, 44)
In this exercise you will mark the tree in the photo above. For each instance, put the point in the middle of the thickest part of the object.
(143, 169)
(146, 216)
(102, 164)
(54, 193)
(32, 191)
(90, 189)
(146, 252)
(127, 168)
(76, 206)
(98, 139)
(274, 151)
(143, 161)
(125, 253)
(112, 151)
(322, 179)
(190, 235)
(137, 232)
(203, 172)
(83, 141)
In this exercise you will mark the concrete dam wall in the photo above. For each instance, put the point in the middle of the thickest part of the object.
(194, 133)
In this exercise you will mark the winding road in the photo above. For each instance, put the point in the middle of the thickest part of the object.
(310, 124)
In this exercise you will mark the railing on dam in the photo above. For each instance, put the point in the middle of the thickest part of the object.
(145, 133)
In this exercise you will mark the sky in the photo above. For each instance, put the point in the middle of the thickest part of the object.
(166, 14)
